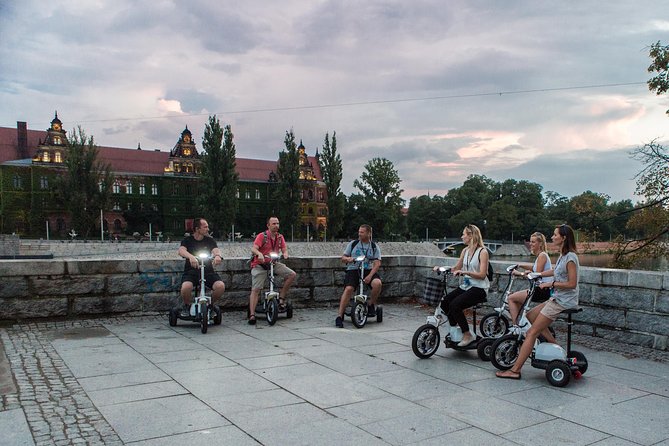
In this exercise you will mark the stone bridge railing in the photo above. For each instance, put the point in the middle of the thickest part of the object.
(627, 306)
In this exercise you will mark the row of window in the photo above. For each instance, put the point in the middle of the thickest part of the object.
(322, 211)
(117, 206)
(247, 194)
(126, 187)
(17, 182)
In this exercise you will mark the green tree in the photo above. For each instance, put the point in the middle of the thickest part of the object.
(427, 216)
(287, 192)
(85, 188)
(380, 187)
(660, 55)
(331, 168)
(218, 200)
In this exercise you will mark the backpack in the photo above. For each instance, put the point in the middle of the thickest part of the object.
(355, 243)
(490, 271)
(264, 240)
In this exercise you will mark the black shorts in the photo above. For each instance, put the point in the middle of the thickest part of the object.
(353, 277)
(541, 295)
(193, 276)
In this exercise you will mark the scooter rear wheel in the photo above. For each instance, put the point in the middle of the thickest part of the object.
(505, 351)
(425, 341)
(173, 317)
(558, 373)
(484, 348)
(359, 315)
(581, 360)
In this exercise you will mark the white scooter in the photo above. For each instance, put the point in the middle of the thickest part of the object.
(357, 309)
(268, 302)
(201, 309)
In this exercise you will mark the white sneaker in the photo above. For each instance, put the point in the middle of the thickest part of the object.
(465, 342)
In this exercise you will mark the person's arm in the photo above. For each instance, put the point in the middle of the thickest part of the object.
(218, 257)
(183, 252)
(346, 257)
(483, 267)
(458, 266)
(572, 278)
(285, 247)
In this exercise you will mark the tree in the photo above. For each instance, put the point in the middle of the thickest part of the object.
(427, 213)
(380, 187)
(331, 168)
(218, 200)
(85, 188)
(660, 55)
(287, 193)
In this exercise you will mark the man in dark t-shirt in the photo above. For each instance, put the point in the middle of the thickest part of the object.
(190, 247)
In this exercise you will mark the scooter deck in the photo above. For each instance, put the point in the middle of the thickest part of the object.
(454, 345)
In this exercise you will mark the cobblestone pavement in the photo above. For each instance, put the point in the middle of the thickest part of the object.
(59, 411)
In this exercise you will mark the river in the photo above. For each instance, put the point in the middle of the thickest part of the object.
(600, 261)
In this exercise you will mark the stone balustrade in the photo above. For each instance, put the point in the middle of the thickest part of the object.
(628, 306)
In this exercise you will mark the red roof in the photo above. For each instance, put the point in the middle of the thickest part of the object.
(133, 161)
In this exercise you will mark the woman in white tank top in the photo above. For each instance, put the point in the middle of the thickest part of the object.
(541, 264)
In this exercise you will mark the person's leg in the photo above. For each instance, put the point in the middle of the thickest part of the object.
(345, 299)
(217, 291)
(540, 324)
(446, 305)
(516, 301)
(458, 304)
(187, 292)
(258, 276)
(288, 276)
(377, 285)
(532, 315)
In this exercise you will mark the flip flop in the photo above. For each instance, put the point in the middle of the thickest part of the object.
(252, 319)
(507, 374)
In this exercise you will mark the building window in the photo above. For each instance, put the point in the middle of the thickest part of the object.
(154, 189)
(117, 206)
(57, 141)
(46, 157)
(189, 168)
(257, 194)
(100, 186)
(247, 194)
(177, 167)
(311, 211)
(311, 195)
(321, 196)
(189, 189)
(58, 157)
(128, 187)
(237, 193)
(154, 207)
(116, 188)
(175, 191)
(43, 183)
(142, 189)
(18, 184)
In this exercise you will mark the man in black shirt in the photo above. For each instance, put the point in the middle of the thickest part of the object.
(191, 246)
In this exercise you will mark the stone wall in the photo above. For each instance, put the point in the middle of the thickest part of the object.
(629, 306)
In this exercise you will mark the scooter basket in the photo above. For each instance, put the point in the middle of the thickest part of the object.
(434, 290)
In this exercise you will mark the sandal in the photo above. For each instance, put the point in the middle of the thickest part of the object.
(252, 319)
(282, 305)
(508, 374)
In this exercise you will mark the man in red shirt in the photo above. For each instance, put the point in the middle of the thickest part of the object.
(266, 242)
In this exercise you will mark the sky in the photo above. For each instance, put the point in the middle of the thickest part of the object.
(544, 91)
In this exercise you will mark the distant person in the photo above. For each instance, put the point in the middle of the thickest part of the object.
(362, 246)
(265, 242)
(473, 266)
(542, 263)
(565, 296)
(190, 247)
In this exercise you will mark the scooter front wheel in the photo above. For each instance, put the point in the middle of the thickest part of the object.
(204, 318)
(494, 325)
(505, 351)
(272, 311)
(558, 373)
(173, 317)
(359, 315)
(425, 341)
(484, 348)
(218, 315)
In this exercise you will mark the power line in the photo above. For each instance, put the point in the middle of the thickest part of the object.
(377, 102)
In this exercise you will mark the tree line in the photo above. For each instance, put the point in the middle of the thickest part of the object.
(506, 210)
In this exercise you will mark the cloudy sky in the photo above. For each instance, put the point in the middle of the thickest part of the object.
(416, 82)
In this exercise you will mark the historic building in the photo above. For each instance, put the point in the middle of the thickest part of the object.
(150, 186)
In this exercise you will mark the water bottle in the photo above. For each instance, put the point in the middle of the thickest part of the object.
(467, 281)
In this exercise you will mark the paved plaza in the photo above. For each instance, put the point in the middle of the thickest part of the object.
(138, 381)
